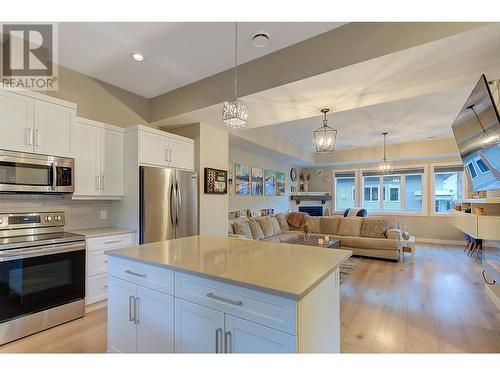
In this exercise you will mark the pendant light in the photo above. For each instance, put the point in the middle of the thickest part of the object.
(325, 137)
(488, 137)
(235, 112)
(384, 166)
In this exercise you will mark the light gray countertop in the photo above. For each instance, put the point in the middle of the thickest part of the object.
(283, 269)
(101, 232)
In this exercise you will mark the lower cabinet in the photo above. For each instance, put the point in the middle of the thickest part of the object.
(141, 320)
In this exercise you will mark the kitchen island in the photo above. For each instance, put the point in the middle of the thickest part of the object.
(224, 295)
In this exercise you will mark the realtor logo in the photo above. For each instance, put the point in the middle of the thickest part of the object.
(29, 56)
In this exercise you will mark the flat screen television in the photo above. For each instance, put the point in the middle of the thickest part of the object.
(477, 130)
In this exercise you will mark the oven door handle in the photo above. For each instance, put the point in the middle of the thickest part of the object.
(9, 255)
(54, 177)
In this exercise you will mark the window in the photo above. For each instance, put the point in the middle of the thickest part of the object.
(472, 170)
(401, 191)
(482, 166)
(345, 190)
(448, 188)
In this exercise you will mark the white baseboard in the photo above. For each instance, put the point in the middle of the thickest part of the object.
(96, 306)
(440, 241)
(492, 296)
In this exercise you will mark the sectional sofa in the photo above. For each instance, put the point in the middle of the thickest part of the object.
(372, 236)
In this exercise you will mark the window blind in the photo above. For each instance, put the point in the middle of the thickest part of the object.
(449, 169)
(345, 174)
(395, 172)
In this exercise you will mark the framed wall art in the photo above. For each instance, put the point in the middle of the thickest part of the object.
(280, 184)
(269, 182)
(242, 179)
(215, 181)
(257, 181)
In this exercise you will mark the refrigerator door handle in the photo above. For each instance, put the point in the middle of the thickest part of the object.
(172, 203)
(178, 204)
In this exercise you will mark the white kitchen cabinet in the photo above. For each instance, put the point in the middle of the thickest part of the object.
(99, 153)
(242, 336)
(16, 122)
(154, 321)
(53, 125)
(198, 329)
(121, 325)
(160, 148)
(113, 163)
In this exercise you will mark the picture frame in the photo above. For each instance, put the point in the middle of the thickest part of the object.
(280, 184)
(269, 182)
(241, 179)
(257, 181)
(215, 181)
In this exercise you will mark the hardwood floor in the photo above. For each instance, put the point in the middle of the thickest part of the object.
(437, 304)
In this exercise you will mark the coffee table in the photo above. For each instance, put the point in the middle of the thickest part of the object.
(312, 240)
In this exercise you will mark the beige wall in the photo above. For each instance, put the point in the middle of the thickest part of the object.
(211, 150)
(264, 161)
(100, 101)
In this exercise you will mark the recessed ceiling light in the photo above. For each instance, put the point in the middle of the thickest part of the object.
(261, 39)
(137, 57)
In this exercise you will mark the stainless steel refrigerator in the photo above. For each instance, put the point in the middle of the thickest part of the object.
(168, 204)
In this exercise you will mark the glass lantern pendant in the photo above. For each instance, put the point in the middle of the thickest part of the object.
(325, 137)
(384, 166)
(235, 112)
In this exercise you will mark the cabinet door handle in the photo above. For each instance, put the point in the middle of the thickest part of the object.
(228, 342)
(97, 183)
(102, 182)
(135, 273)
(218, 340)
(130, 302)
(136, 310)
(114, 241)
(224, 299)
(37, 137)
(166, 155)
(171, 155)
(30, 137)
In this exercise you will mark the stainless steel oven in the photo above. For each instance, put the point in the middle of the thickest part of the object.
(42, 273)
(33, 173)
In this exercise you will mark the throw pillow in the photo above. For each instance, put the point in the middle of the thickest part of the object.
(256, 229)
(282, 221)
(243, 227)
(276, 225)
(350, 226)
(266, 226)
(374, 227)
(314, 223)
(296, 219)
(330, 224)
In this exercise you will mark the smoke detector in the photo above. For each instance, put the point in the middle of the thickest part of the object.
(261, 39)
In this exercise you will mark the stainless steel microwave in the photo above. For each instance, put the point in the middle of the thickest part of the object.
(33, 173)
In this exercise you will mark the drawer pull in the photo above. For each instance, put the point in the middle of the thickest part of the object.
(223, 299)
(135, 273)
(114, 241)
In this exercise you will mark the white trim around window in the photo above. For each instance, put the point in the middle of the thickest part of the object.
(334, 187)
(432, 198)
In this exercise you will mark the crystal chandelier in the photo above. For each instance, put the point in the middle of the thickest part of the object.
(325, 137)
(235, 112)
(385, 166)
(488, 137)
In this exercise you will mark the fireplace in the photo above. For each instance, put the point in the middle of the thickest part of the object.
(312, 210)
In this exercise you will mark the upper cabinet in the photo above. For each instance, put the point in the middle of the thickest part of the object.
(160, 148)
(99, 152)
(31, 122)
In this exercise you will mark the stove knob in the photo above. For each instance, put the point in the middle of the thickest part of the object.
(48, 218)
(1, 220)
(58, 218)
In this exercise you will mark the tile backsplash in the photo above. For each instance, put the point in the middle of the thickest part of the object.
(80, 214)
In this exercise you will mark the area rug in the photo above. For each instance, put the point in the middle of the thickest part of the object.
(348, 267)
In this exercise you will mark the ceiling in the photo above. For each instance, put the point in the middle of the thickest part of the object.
(414, 94)
(176, 54)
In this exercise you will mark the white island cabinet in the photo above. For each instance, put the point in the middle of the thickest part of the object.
(205, 294)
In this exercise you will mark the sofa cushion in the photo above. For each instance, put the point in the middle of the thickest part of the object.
(369, 243)
(282, 221)
(314, 224)
(296, 219)
(276, 225)
(266, 226)
(243, 228)
(374, 227)
(350, 226)
(256, 230)
(330, 224)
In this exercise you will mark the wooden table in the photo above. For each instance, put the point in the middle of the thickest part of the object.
(408, 246)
